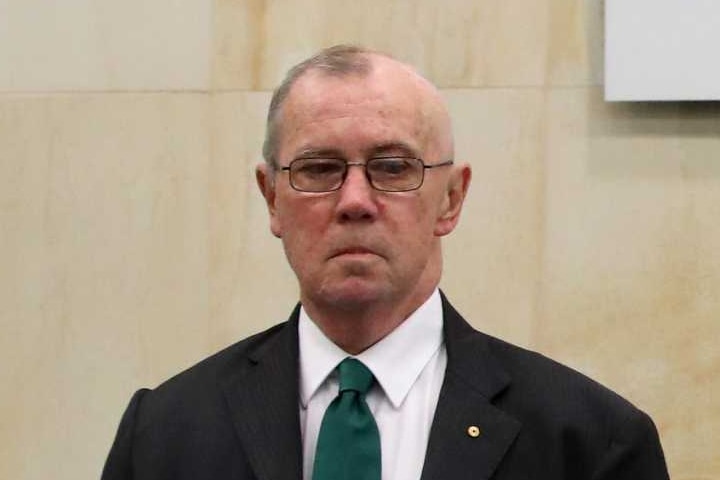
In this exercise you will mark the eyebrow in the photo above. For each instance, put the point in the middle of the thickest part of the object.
(319, 153)
(384, 148)
(394, 147)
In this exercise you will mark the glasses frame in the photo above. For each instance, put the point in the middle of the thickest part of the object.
(425, 166)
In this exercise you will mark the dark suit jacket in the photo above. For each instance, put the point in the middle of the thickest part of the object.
(235, 416)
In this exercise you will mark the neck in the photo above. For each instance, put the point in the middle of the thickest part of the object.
(357, 332)
(355, 328)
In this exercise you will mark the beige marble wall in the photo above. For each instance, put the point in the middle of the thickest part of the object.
(133, 243)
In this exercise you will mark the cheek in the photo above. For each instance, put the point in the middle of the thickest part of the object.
(302, 225)
(421, 214)
(414, 227)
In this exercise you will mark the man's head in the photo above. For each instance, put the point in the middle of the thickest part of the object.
(358, 251)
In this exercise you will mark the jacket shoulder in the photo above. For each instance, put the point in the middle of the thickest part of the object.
(548, 380)
(198, 388)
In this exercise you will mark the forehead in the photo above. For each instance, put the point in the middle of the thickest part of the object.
(357, 111)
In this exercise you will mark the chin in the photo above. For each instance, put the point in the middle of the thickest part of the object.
(348, 295)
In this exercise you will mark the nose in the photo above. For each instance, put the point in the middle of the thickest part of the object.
(356, 196)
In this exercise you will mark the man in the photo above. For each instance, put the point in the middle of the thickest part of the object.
(361, 186)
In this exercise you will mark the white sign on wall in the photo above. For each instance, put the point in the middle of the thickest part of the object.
(662, 50)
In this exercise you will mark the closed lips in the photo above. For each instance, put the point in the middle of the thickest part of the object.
(353, 251)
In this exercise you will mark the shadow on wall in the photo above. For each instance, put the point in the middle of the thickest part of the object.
(648, 140)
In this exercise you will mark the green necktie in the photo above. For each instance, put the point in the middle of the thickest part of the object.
(348, 446)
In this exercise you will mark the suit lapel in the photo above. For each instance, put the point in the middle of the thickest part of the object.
(262, 393)
(469, 436)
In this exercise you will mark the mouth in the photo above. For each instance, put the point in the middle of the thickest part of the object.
(353, 251)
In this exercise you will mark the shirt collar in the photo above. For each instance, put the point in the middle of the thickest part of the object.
(396, 361)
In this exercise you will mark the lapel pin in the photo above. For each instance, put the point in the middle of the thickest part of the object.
(473, 431)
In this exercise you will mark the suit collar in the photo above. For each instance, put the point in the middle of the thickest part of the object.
(472, 380)
(261, 388)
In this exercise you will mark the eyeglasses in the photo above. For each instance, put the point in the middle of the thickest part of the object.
(386, 174)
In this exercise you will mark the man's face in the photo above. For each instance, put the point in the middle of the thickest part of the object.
(357, 245)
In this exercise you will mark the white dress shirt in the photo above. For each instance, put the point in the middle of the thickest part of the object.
(409, 365)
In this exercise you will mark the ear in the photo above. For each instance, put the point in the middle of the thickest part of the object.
(265, 178)
(453, 198)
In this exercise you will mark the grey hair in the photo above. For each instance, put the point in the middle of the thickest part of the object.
(339, 60)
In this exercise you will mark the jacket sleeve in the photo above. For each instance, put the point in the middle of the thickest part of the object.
(118, 465)
(634, 453)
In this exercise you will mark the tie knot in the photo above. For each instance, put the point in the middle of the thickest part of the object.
(355, 376)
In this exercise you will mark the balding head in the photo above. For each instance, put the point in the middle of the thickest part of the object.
(346, 61)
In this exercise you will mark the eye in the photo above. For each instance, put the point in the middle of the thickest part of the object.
(318, 167)
(391, 166)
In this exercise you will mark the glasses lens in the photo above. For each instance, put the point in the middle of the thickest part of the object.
(395, 174)
(317, 174)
